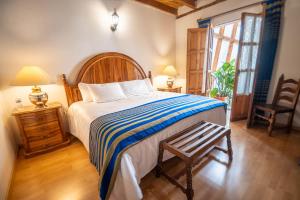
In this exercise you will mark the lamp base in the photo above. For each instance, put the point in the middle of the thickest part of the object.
(170, 83)
(38, 97)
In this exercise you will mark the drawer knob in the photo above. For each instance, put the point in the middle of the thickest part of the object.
(43, 128)
(41, 118)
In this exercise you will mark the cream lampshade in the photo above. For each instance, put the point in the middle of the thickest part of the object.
(33, 75)
(170, 71)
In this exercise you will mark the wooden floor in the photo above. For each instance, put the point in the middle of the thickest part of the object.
(263, 168)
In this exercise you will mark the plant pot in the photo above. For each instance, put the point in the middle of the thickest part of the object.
(221, 98)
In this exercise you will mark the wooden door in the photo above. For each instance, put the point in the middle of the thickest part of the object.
(196, 43)
(251, 26)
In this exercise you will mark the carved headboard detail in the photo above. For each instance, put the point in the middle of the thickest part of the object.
(104, 68)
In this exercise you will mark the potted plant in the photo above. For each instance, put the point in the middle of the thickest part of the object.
(224, 81)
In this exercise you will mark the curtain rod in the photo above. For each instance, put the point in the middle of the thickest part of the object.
(224, 13)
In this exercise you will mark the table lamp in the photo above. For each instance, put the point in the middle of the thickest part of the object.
(170, 71)
(33, 76)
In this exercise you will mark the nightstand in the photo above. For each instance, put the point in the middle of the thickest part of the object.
(41, 129)
(173, 89)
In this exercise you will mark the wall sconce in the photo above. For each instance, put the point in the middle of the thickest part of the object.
(114, 21)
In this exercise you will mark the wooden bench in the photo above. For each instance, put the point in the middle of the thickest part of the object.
(191, 145)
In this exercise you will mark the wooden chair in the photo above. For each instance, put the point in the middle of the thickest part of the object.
(285, 101)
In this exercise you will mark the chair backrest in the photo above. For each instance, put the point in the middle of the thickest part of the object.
(287, 92)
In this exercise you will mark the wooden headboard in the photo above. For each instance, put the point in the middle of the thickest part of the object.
(104, 68)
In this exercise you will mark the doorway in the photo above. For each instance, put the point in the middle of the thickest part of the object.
(221, 62)
(225, 44)
(234, 58)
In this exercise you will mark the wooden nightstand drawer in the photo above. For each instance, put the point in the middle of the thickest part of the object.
(44, 137)
(46, 142)
(37, 118)
(42, 129)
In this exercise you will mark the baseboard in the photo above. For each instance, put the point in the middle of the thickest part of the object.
(296, 128)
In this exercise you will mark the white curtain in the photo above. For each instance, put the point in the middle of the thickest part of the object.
(248, 53)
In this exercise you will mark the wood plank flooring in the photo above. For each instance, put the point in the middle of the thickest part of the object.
(263, 168)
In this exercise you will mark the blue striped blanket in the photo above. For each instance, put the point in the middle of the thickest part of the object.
(112, 134)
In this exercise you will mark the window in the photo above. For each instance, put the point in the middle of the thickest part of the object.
(225, 43)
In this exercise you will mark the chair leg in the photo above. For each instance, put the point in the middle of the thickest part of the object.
(189, 182)
(229, 147)
(159, 162)
(253, 117)
(271, 123)
(290, 122)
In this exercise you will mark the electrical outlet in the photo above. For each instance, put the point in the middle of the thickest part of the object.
(18, 100)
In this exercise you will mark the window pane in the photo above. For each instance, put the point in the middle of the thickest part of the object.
(257, 29)
(241, 83)
(217, 29)
(254, 56)
(249, 20)
(215, 40)
(245, 57)
(228, 30)
(251, 83)
(223, 53)
(238, 32)
(245, 83)
(234, 52)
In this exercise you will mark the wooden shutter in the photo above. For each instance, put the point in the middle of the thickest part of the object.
(196, 42)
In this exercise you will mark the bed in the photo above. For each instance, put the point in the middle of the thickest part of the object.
(141, 158)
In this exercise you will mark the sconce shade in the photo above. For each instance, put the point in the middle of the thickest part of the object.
(31, 75)
(170, 71)
(114, 20)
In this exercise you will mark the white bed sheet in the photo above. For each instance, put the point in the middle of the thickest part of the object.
(141, 158)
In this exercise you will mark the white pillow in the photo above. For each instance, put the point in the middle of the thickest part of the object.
(85, 92)
(106, 92)
(135, 87)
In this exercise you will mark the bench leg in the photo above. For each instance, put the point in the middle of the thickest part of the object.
(159, 161)
(189, 182)
(229, 147)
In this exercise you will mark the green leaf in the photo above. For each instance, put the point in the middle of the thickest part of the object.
(224, 77)
(214, 92)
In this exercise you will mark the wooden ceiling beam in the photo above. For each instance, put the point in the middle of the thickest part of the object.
(159, 5)
(201, 8)
(189, 3)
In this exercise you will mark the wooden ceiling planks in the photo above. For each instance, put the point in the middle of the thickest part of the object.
(189, 3)
(178, 3)
(172, 3)
(159, 5)
(171, 6)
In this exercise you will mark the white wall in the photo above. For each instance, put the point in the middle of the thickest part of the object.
(7, 150)
(190, 21)
(287, 61)
(59, 35)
